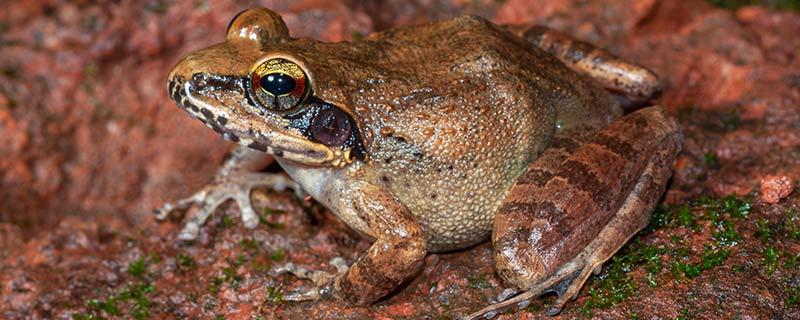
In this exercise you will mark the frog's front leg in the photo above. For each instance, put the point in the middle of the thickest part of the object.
(396, 255)
(580, 202)
(235, 179)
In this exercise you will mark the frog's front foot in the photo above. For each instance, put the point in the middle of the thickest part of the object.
(234, 185)
(323, 281)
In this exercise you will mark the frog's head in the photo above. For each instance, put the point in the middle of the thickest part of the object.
(257, 95)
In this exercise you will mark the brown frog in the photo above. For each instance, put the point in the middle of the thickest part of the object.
(434, 138)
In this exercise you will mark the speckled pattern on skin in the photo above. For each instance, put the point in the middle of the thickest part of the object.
(417, 145)
(438, 125)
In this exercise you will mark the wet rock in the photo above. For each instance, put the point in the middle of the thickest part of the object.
(776, 187)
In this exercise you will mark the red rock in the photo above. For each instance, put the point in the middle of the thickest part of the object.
(776, 187)
(90, 143)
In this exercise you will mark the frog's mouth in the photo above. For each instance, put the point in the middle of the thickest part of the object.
(221, 103)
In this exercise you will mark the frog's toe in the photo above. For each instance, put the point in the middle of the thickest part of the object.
(323, 281)
(164, 211)
(308, 295)
(234, 186)
(566, 284)
(249, 217)
(507, 294)
(319, 277)
(189, 232)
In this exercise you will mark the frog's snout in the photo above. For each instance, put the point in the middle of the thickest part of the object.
(175, 88)
(179, 90)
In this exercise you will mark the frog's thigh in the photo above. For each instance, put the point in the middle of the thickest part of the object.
(396, 255)
(634, 82)
(579, 203)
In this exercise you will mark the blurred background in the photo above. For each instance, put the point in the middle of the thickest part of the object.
(90, 143)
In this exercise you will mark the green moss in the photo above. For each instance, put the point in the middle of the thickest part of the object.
(792, 225)
(769, 260)
(791, 261)
(109, 306)
(663, 217)
(135, 294)
(685, 217)
(764, 230)
(711, 160)
(277, 256)
(138, 295)
(231, 276)
(736, 206)
(248, 244)
(533, 307)
(684, 314)
(216, 282)
(684, 270)
(138, 267)
(772, 4)
(268, 212)
(615, 285)
(725, 233)
(227, 222)
(240, 260)
(793, 297)
(274, 295)
(657, 221)
(713, 257)
(184, 261)
(612, 288)
(478, 282)
(709, 259)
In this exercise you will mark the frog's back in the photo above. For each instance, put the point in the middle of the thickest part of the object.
(452, 112)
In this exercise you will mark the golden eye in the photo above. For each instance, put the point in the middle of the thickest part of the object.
(278, 84)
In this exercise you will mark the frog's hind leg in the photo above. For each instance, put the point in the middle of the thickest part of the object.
(580, 202)
(634, 85)
(234, 181)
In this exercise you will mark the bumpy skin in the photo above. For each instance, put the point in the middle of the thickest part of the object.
(441, 119)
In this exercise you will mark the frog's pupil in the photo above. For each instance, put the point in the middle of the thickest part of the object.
(277, 83)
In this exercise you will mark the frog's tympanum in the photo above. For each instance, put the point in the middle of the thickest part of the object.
(434, 138)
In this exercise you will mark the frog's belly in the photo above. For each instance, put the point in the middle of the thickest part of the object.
(453, 213)
(468, 229)
(457, 210)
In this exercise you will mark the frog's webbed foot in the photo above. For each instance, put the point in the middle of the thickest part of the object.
(234, 181)
(566, 284)
(322, 280)
(235, 186)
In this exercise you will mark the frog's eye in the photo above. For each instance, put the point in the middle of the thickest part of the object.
(278, 84)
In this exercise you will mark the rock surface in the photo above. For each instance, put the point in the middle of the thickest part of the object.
(90, 144)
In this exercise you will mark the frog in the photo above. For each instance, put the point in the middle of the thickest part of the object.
(434, 138)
